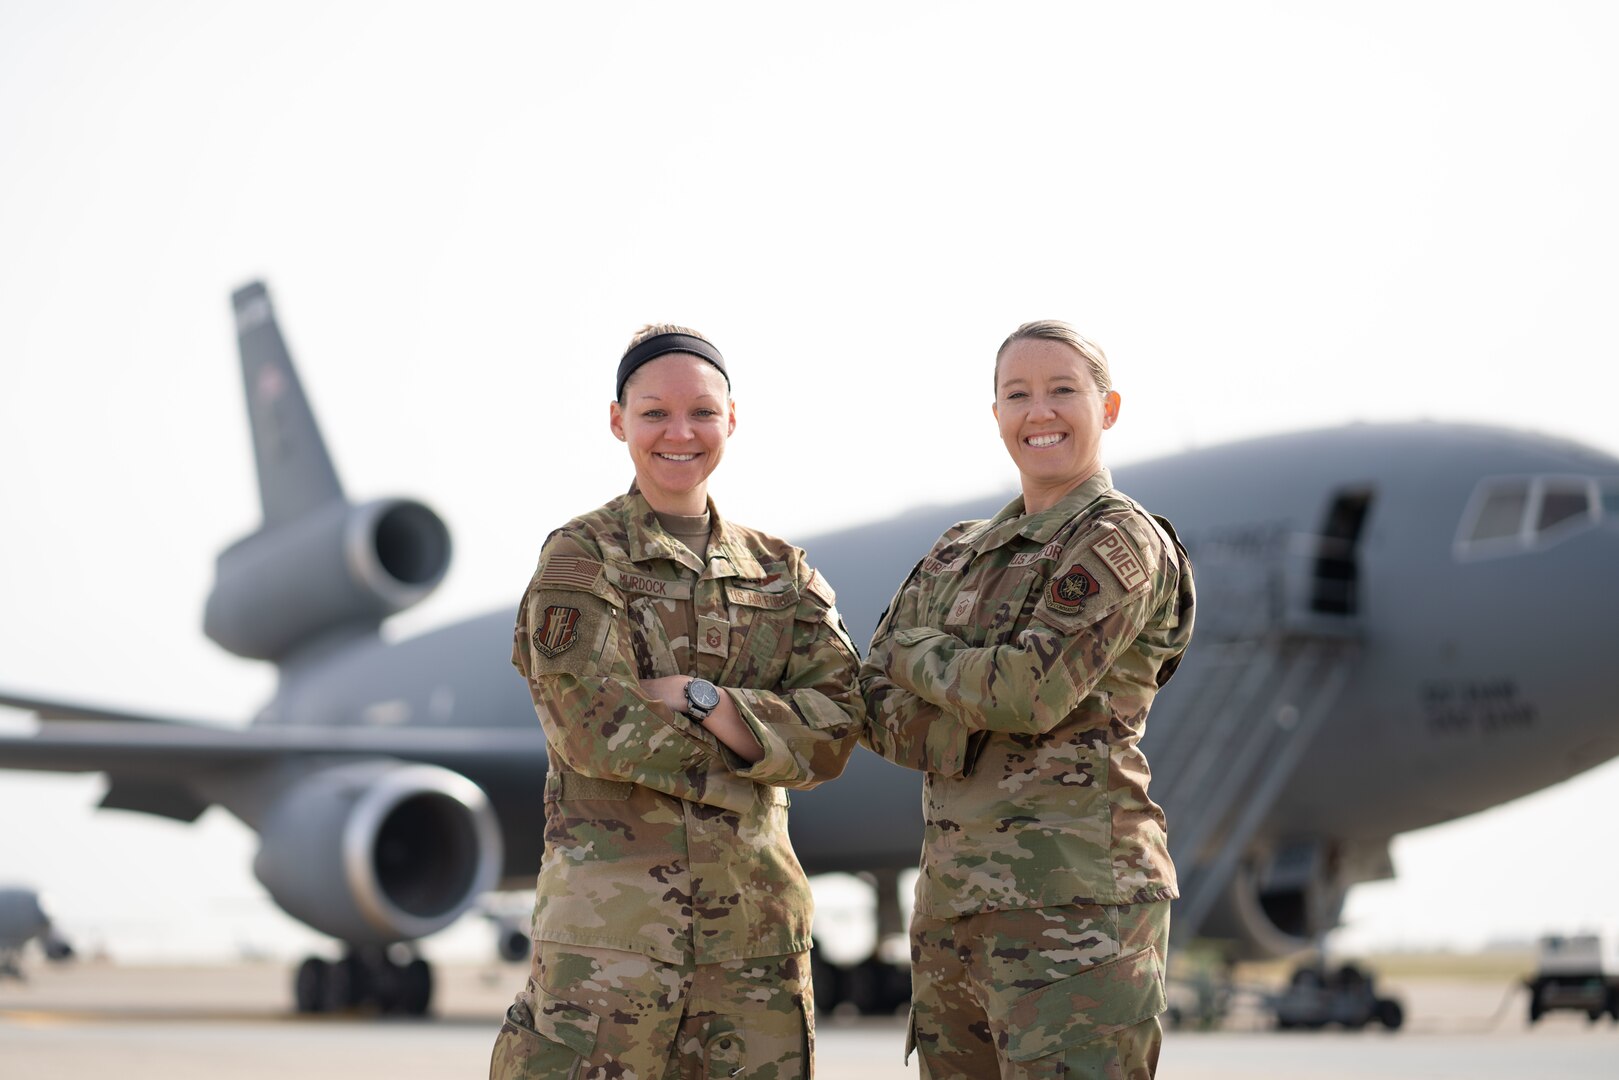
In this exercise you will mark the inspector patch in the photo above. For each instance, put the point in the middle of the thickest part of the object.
(1120, 558)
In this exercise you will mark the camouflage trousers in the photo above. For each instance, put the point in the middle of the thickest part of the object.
(1045, 992)
(595, 1014)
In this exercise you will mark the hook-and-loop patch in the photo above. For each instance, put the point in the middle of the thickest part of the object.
(558, 630)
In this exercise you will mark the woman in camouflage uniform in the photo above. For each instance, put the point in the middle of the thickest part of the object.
(1015, 667)
(686, 671)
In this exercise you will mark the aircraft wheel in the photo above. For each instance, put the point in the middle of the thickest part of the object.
(309, 986)
(899, 989)
(1390, 1013)
(348, 984)
(416, 988)
(1536, 1008)
(827, 981)
(865, 987)
(877, 988)
(402, 989)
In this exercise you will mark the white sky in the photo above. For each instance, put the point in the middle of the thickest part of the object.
(1272, 216)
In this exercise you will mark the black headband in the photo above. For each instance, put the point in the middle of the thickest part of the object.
(659, 344)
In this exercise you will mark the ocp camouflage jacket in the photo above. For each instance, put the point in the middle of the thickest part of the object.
(659, 839)
(1016, 666)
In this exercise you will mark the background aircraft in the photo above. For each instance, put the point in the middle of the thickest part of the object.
(1395, 629)
(23, 919)
(1276, 217)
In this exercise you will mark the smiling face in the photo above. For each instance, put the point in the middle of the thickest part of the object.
(676, 416)
(1051, 415)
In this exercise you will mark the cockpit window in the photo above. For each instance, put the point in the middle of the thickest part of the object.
(1518, 513)
(1502, 512)
(1561, 501)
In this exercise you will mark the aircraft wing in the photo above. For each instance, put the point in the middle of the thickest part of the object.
(62, 710)
(171, 749)
(150, 760)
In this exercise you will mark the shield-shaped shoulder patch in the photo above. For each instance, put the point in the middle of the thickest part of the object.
(1069, 591)
(557, 630)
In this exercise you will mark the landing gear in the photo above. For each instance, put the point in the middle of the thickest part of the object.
(877, 986)
(309, 985)
(1316, 997)
(874, 986)
(366, 979)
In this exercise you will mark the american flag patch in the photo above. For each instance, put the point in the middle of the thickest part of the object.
(570, 572)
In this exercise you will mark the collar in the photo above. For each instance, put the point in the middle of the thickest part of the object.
(729, 554)
(1011, 521)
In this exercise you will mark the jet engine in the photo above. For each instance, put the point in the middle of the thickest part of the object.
(21, 917)
(1281, 903)
(337, 566)
(377, 852)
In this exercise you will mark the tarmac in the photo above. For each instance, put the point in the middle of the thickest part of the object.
(90, 1020)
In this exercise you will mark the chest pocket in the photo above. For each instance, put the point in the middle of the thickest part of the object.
(1003, 612)
(761, 635)
(993, 608)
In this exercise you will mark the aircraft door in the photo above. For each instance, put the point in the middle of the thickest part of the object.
(1335, 573)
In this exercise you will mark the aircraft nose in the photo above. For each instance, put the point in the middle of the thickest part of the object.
(1569, 639)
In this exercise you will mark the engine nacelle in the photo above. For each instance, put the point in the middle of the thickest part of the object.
(376, 852)
(338, 566)
(512, 942)
(21, 917)
(1282, 903)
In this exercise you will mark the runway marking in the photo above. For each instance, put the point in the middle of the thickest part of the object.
(106, 1015)
(70, 1017)
(33, 1019)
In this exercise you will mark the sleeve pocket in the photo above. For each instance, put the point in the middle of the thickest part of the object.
(1098, 1001)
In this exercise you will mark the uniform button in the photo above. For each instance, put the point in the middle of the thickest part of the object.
(725, 1044)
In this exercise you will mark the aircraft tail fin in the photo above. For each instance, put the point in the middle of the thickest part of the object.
(296, 473)
(319, 568)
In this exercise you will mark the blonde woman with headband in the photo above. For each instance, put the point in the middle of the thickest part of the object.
(687, 671)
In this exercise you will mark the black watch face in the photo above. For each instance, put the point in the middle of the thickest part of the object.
(702, 694)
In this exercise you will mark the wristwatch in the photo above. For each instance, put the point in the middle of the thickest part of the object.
(702, 698)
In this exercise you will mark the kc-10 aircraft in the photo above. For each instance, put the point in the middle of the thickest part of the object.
(1397, 625)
